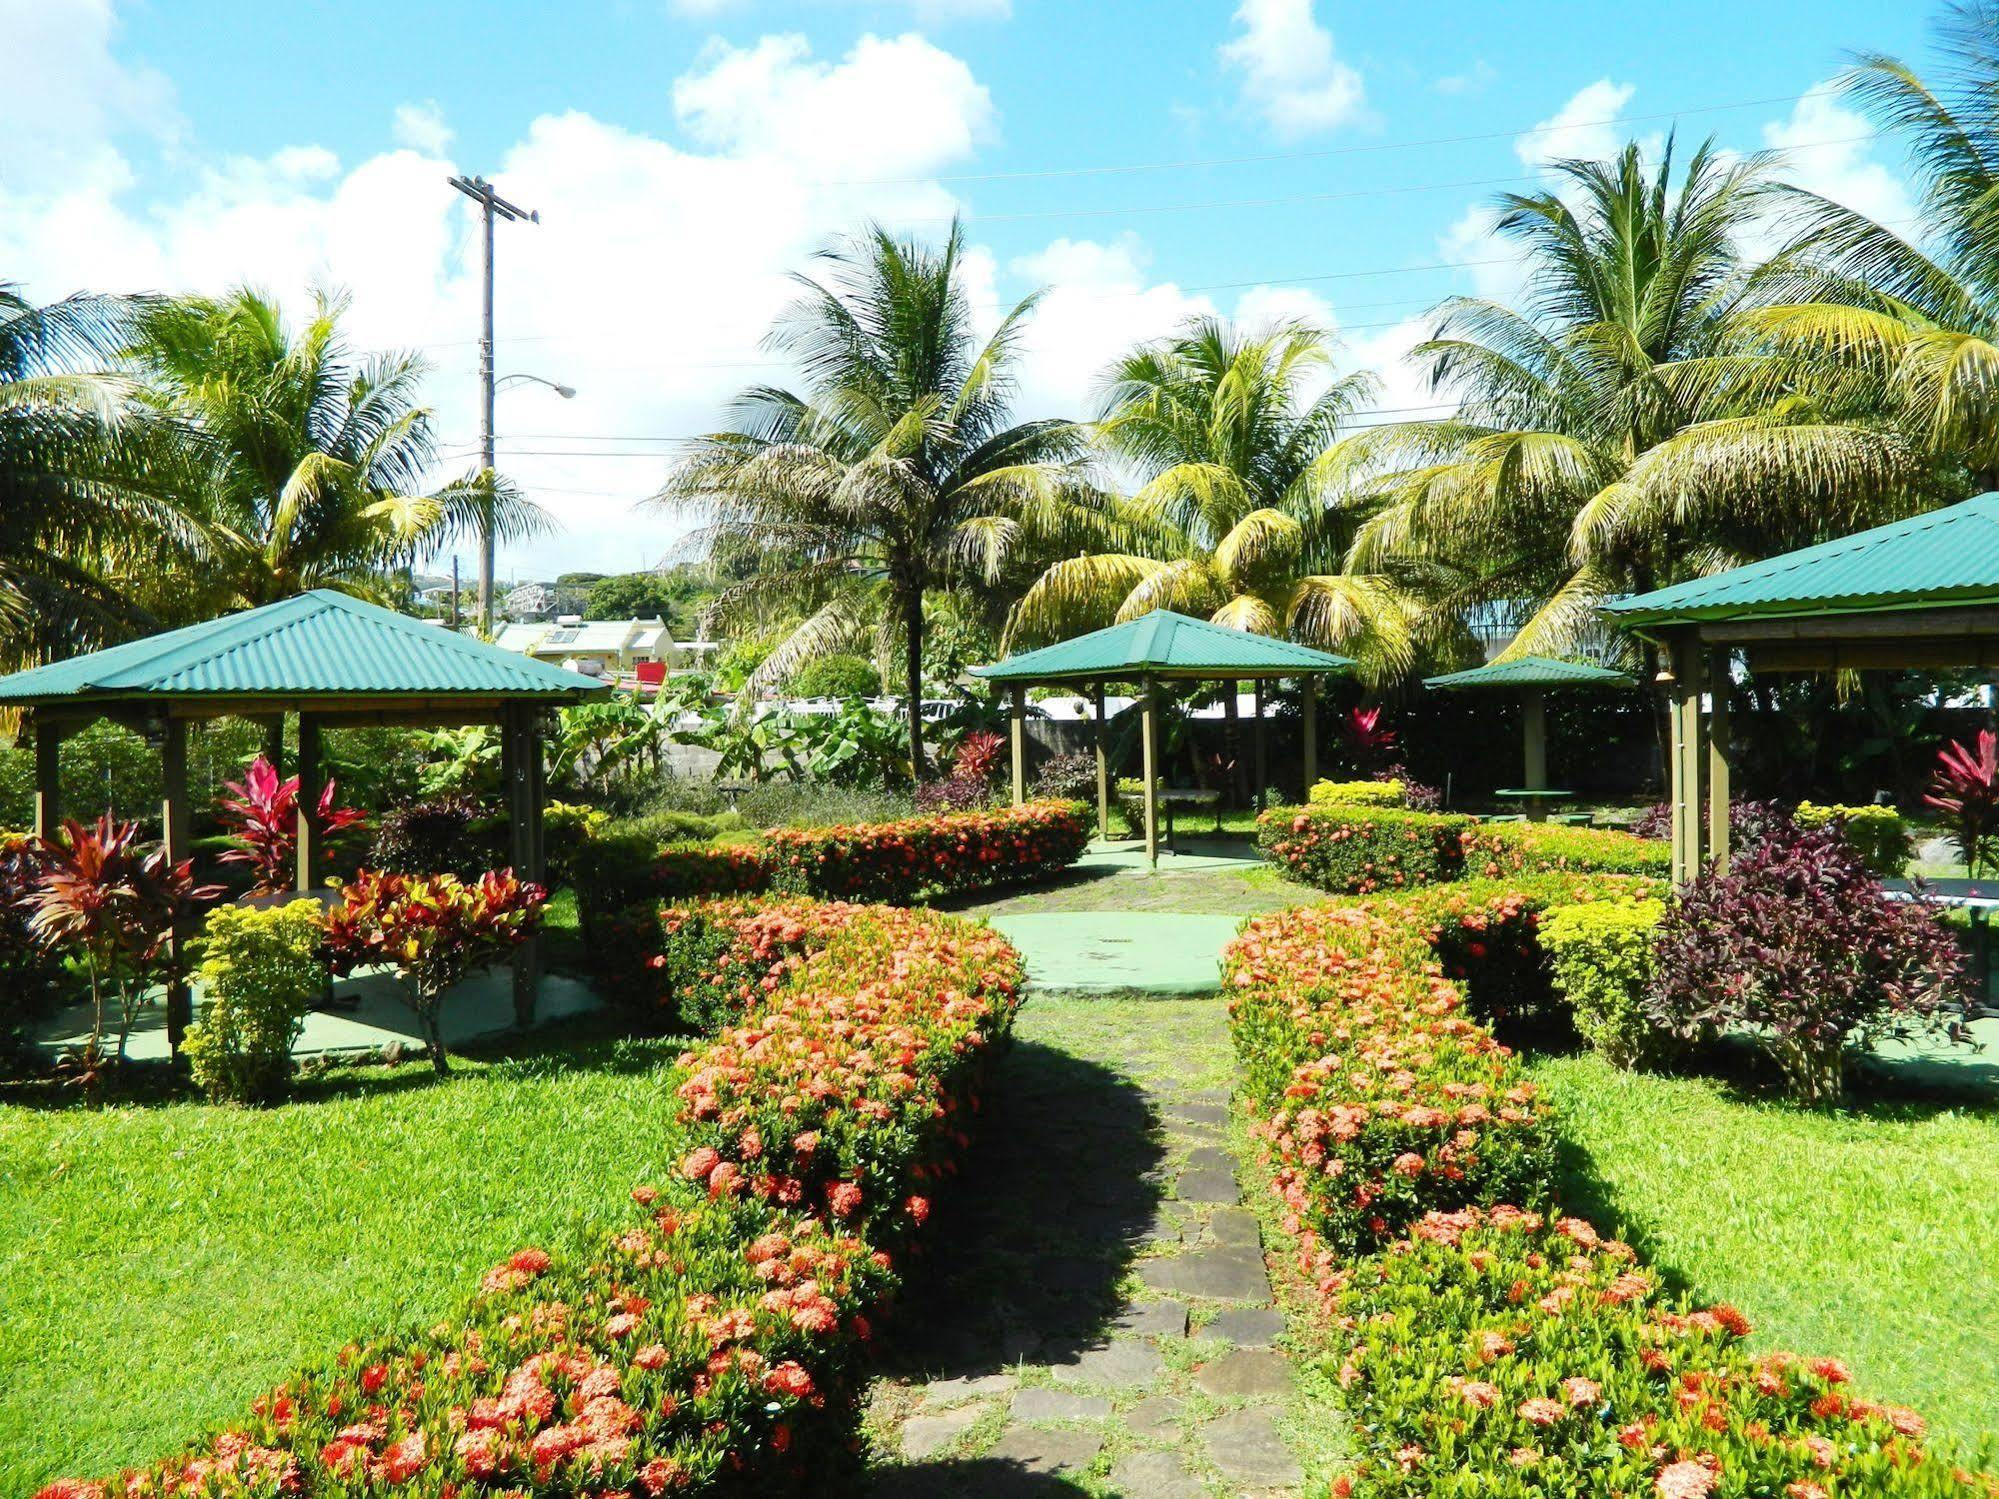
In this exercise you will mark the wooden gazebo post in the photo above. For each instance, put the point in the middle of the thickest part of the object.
(1017, 738)
(520, 759)
(1149, 696)
(1103, 764)
(1311, 731)
(1534, 740)
(176, 822)
(1262, 750)
(48, 772)
(311, 782)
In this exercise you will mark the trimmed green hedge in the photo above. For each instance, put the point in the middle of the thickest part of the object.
(1600, 957)
(1356, 794)
(1484, 1345)
(1878, 834)
(713, 1340)
(1364, 850)
(627, 882)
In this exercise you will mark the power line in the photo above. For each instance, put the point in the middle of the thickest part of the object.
(1122, 211)
(1321, 153)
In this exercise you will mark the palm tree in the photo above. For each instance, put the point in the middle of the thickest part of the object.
(1226, 431)
(1914, 317)
(309, 467)
(895, 474)
(83, 477)
(1614, 434)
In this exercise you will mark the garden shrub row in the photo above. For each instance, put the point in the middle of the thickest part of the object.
(898, 861)
(1485, 1344)
(625, 879)
(1353, 849)
(712, 1341)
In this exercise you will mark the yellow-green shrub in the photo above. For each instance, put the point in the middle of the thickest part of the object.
(261, 971)
(565, 826)
(1877, 834)
(1600, 956)
(1357, 794)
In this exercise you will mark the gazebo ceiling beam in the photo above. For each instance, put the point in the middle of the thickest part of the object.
(1901, 655)
(1895, 624)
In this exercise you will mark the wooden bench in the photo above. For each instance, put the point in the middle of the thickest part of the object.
(1191, 796)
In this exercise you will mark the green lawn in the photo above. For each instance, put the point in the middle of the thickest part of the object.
(1870, 1234)
(161, 1265)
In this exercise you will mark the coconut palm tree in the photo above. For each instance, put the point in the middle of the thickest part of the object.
(1614, 434)
(1911, 312)
(1225, 430)
(309, 466)
(83, 477)
(895, 473)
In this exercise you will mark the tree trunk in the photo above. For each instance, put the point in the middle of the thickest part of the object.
(433, 1035)
(912, 677)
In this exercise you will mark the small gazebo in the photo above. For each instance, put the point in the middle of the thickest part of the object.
(1532, 678)
(1156, 647)
(1917, 593)
(334, 661)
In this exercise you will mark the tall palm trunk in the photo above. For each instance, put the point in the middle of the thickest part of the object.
(912, 675)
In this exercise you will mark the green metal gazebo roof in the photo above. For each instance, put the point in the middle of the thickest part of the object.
(1948, 556)
(320, 644)
(1164, 644)
(1531, 672)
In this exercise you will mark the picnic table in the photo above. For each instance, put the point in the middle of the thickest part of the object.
(1534, 800)
(1189, 797)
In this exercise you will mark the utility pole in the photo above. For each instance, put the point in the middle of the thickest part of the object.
(491, 205)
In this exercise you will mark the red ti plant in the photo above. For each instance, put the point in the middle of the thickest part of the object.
(978, 756)
(262, 817)
(1370, 740)
(102, 901)
(1965, 788)
(433, 929)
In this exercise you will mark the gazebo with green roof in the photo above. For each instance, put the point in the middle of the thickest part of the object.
(1916, 593)
(335, 662)
(1531, 677)
(1155, 647)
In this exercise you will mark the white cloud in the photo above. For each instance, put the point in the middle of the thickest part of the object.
(847, 120)
(1827, 148)
(421, 127)
(1291, 74)
(68, 100)
(930, 11)
(1473, 80)
(1578, 128)
(1098, 303)
(648, 284)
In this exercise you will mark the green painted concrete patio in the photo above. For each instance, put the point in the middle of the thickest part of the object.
(1162, 952)
(481, 1006)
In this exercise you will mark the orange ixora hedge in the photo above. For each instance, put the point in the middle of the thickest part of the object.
(713, 1340)
(1488, 1345)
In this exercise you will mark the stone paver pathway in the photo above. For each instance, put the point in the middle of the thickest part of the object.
(1097, 1318)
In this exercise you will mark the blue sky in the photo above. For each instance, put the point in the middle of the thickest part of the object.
(686, 153)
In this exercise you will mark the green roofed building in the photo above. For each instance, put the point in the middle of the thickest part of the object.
(1530, 677)
(332, 660)
(1913, 594)
(1155, 647)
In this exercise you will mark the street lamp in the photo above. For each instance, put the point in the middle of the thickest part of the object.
(567, 392)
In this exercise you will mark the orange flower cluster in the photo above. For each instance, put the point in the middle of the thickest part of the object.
(712, 1342)
(894, 862)
(1496, 1350)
